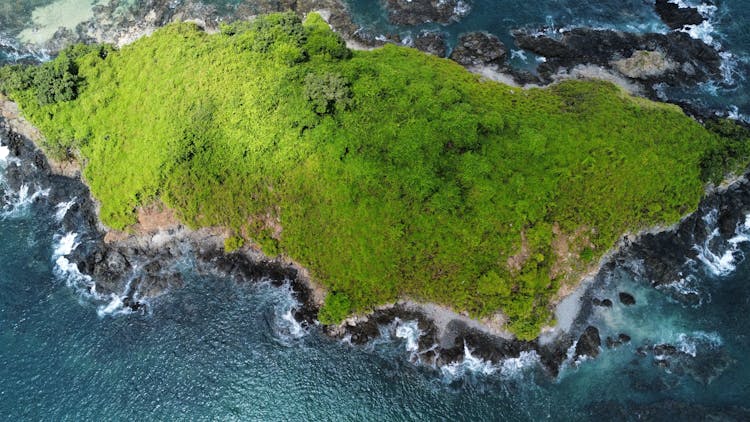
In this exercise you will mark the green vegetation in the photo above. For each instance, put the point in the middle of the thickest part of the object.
(386, 173)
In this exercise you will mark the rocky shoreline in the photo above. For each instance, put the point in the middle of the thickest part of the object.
(135, 268)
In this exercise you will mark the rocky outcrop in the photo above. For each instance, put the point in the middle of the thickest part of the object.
(417, 12)
(675, 16)
(431, 42)
(479, 48)
(626, 299)
(673, 58)
(588, 344)
(644, 65)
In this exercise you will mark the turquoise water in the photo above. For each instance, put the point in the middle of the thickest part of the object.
(220, 350)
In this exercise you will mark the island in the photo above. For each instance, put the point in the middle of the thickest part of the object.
(387, 173)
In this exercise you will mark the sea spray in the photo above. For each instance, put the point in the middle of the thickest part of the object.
(63, 208)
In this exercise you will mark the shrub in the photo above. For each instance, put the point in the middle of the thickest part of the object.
(327, 92)
(233, 243)
(336, 308)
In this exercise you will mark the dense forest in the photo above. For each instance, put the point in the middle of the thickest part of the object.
(387, 173)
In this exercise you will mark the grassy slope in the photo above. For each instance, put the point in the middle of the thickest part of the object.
(413, 178)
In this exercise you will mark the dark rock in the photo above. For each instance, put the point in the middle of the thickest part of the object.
(677, 17)
(479, 48)
(665, 350)
(611, 343)
(624, 338)
(431, 42)
(417, 12)
(606, 303)
(626, 299)
(588, 344)
(674, 58)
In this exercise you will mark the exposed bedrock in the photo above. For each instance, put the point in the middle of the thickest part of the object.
(479, 48)
(673, 58)
(677, 17)
(431, 42)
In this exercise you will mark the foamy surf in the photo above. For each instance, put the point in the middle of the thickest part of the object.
(722, 263)
(285, 325)
(63, 208)
(472, 366)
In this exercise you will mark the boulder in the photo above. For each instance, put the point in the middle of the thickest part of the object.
(677, 17)
(627, 299)
(431, 42)
(479, 48)
(589, 342)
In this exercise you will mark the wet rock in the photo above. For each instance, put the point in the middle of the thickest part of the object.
(665, 350)
(623, 338)
(677, 17)
(674, 58)
(479, 48)
(416, 12)
(605, 303)
(588, 344)
(626, 299)
(612, 343)
(431, 42)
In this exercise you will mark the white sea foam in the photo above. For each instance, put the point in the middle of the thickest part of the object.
(518, 54)
(461, 9)
(469, 364)
(295, 329)
(63, 208)
(722, 263)
(734, 114)
(472, 365)
(286, 326)
(410, 332)
(704, 31)
(696, 341)
(114, 307)
(4, 153)
(512, 367)
(65, 245)
(20, 201)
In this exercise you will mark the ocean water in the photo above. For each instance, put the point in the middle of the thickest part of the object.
(220, 350)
